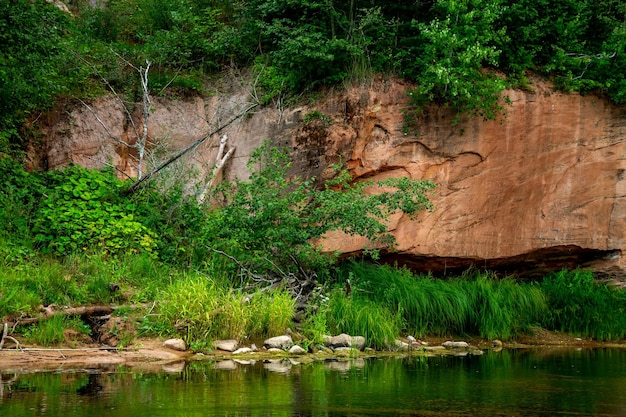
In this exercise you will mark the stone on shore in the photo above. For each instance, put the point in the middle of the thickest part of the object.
(297, 350)
(278, 342)
(242, 350)
(455, 345)
(229, 345)
(175, 344)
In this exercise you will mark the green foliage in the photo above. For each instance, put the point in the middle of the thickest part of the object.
(84, 211)
(316, 115)
(458, 45)
(270, 313)
(359, 316)
(204, 311)
(19, 196)
(32, 37)
(584, 307)
(480, 305)
(268, 221)
(167, 208)
(52, 331)
(315, 327)
(579, 43)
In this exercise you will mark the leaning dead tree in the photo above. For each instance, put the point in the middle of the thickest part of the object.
(140, 144)
(220, 160)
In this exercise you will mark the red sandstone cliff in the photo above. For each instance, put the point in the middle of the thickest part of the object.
(542, 188)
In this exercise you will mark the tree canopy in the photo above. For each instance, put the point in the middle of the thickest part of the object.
(461, 53)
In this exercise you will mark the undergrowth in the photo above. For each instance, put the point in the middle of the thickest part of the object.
(385, 302)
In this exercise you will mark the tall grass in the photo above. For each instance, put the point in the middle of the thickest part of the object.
(79, 279)
(581, 306)
(203, 311)
(479, 304)
(502, 308)
(360, 316)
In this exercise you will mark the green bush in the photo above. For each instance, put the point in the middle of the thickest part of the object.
(20, 194)
(269, 221)
(84, 211)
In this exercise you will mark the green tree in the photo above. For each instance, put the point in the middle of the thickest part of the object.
(32, 35)
(459, 44)
(268, 223)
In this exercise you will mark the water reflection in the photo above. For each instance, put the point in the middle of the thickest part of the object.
(507, 383)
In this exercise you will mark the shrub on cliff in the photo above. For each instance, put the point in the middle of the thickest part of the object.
(267, 223)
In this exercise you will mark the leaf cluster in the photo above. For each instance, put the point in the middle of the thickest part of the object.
(83, 210)
(271, 216)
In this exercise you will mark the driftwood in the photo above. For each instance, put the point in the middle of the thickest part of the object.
(51, 311)
(5, 337)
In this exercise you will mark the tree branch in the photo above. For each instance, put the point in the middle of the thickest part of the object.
(134, 187)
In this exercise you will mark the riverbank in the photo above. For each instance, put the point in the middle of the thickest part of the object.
(151, 355)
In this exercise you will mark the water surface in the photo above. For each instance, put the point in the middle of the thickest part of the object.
(506, 383)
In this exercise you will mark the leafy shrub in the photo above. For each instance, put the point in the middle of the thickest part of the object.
(84, 212)
(20, 193)
(268, 222)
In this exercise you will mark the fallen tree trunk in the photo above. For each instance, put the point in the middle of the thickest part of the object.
(50, 311)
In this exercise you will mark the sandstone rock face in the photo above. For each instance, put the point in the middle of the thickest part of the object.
(542, 189)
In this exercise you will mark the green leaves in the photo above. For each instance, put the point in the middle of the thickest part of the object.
(459, 44)
(83, 211)
(271, 219)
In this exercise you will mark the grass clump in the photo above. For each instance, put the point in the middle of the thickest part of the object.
(583, 307)
(203, 311)
(480, 304)
(363, 317)
(54, 330)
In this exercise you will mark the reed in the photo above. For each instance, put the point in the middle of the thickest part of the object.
(478, 304)
(359, 316)
(584, 307)
(271, 313)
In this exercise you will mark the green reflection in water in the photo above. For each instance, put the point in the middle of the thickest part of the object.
(507, 383)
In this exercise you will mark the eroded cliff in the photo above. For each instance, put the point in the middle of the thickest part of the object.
(542, 188)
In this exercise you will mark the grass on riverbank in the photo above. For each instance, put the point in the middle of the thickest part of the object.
(479, 304)
(385, 302)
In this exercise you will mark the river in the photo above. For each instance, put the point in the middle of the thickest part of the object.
(534, 382)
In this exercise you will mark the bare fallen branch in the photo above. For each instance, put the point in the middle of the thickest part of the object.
(134, 187)
(50, 311)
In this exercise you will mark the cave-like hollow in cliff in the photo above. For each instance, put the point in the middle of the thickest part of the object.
(528, 266)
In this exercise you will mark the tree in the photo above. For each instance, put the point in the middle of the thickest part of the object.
(458, 45)
(267, 224)
(32, 36)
